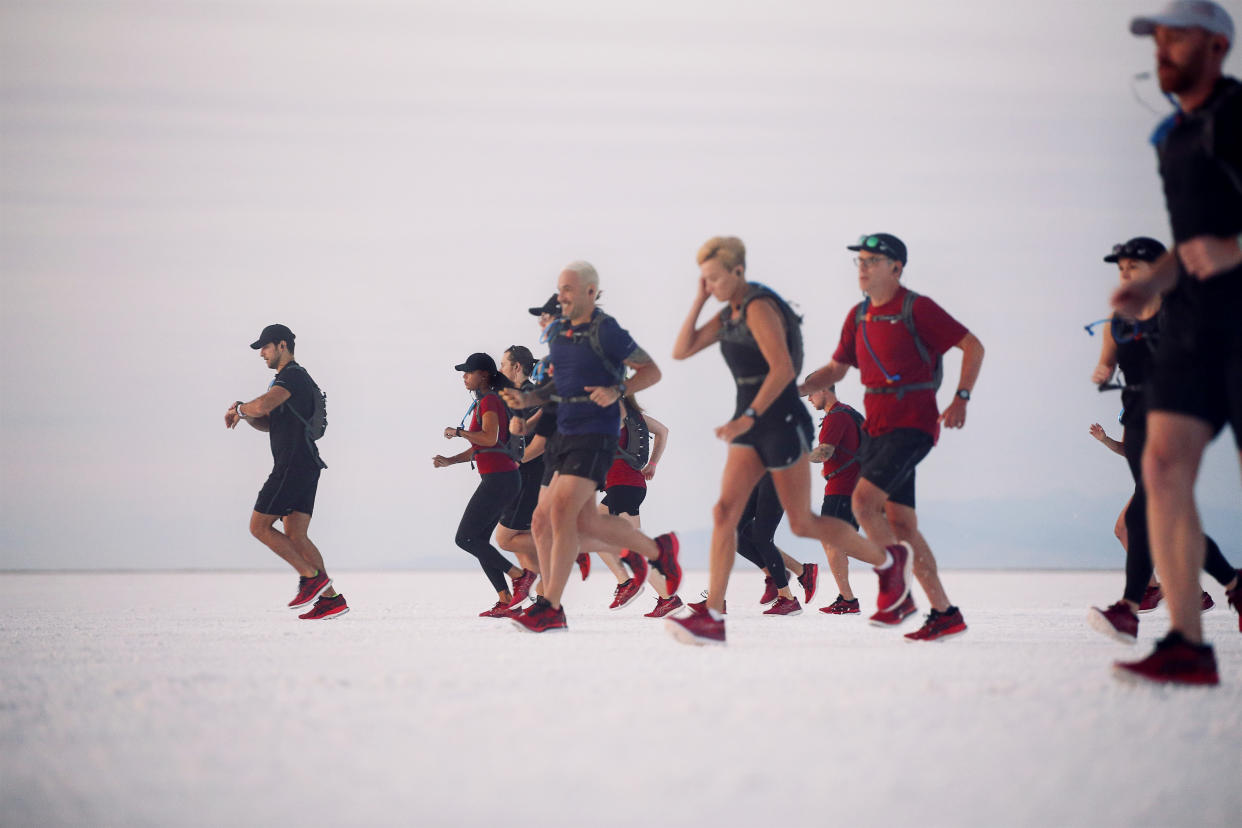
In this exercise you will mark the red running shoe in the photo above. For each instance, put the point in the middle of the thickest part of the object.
(784, 606)
(700, 607)
(664, 606)
(1117, 622)
(637, 564)
(667, 563)
(939, 626)
(327, 608)
(521, 586)
(309, 589)
(1174, 661)
(770, 592)
(1208, 603)
(809, 580)
(851, 607)
(699, 630)
(500, 610)
(541, 617)
(584, 564)
(626, 592)
(1235, 599)
(1151, 598)
(892, 618)
(895, 580)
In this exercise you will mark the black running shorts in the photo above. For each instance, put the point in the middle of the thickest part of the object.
(838, 506)
(1198, 363)
(583, 455)
(516, 515)
(781, 435)
(624, 500)
(288, 489)
(889, 462)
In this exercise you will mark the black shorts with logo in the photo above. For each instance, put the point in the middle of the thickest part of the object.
(624, 500)
(838, 506)
(288, 489)
(582, 455)
(1197, 368)
(781, 435)
(889, 462)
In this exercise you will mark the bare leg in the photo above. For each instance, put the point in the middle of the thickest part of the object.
(263, 527)
(521, 544)
(541, 532)
(296, 525)
(840, 566)
(569, 497)
(1175, 446)
(743, 469)
(613, 561)
(906, 524)
(793, 486)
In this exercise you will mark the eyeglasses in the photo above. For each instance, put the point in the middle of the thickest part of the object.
(859, 261)
(1137, 251)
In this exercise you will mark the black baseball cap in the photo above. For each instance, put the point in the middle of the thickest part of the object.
(1140, 247)
(273, 334)
(886, 244)
(478, 362)
(551, 307)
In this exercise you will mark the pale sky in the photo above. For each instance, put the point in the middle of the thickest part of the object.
(399, 181)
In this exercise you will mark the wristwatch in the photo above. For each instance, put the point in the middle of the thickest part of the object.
(963, 394)
(750, 412)
(237, 407)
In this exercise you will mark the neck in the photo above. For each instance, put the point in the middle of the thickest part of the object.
(880, 296)
(583, 315)
(283, 361)
(739, 295)
(1197, 96)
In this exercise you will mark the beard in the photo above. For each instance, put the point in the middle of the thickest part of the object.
(1178, 78)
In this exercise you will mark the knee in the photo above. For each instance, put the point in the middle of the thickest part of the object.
(259, 529)
(866, 501)
(464, 539)
(1164, 467)
(725, 513)
(801, 523)
(903, 528)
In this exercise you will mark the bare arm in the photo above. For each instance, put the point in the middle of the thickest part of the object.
(1130, 297)
(257, 410)
(822, 453)
(485, 438)
(691, 339)
(822, 378)
(659, 441)
(534, 448)
(440, 461)
(972, 360)
(765, 325)
(1108, 358)
(646, 374)
(1097, 431)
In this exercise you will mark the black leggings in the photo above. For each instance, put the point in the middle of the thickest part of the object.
(474, 533)
(1138, 549)
(757, 527)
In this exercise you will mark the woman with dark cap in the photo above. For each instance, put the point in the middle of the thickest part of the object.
(1130, 343)
(499, 479)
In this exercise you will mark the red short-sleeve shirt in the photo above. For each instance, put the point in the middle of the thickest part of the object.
(893, 345)
(490, 462)
(838, 429)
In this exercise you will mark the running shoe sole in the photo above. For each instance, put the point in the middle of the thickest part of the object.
(526, 629)
(937, 639)
(1132, 678)
(1097, 622)
(329, 616)
(684, 636)
(641, 589)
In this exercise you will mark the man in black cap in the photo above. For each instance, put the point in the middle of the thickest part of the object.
(291, 412)
(1196, 382)
(896, 339)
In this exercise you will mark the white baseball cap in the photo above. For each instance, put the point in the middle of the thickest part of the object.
(1186, 14)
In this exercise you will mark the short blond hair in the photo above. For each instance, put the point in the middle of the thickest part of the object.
(586, 272)
(729, 250)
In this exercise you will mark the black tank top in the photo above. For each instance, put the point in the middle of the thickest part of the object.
(1134, 357)
(741, 353)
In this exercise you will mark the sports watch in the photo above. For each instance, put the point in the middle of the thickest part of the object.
(963, 394)
(750, 412)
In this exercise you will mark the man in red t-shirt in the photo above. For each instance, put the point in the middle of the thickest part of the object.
(840, 435)
(896, 338)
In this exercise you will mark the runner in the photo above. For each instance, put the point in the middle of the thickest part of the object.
(1130, 342)
(840, 439)
(896, 339)
(499, 479)
(292, 413)
(513, 534)
(588, 354)
(1196, 385)
(761, 341)
(625, 488)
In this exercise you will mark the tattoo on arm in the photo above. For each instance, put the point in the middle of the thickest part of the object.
(638, 357)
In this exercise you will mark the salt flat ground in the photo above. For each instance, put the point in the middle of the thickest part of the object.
(196, 699)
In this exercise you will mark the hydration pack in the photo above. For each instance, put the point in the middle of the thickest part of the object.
(314, 426)
(562, 328)
(637, 449)
(731, 331)
(906, 317)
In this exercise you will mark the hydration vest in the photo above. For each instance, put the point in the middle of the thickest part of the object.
(906, 317)
(637, 449)
(863, 439)
(314, 426)
(561, 328)
(738, 331)
(513, 445)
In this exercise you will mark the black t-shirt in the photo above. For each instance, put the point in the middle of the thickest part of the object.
(1201, 165)
(1134, 357)
(286, 432)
